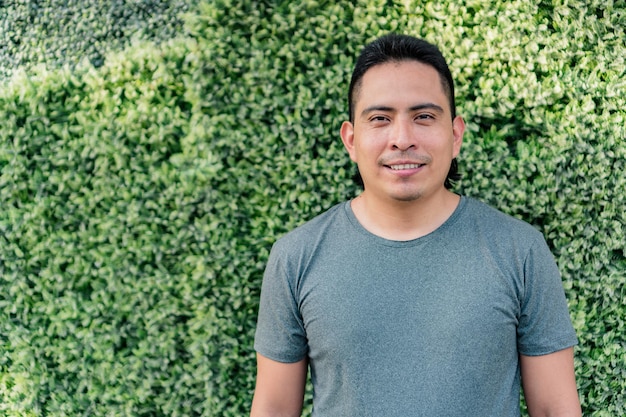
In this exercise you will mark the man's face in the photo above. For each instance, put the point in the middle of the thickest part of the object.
(403, 138)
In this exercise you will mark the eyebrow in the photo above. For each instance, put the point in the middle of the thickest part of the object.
(431, 106)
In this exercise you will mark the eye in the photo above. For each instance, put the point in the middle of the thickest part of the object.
(379, 120)
(424, 116)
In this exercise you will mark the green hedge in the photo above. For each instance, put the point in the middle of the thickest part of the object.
(141, 198)
(66, 32)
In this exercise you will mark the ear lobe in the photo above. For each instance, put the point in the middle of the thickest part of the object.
(458, 127)
(347, 137)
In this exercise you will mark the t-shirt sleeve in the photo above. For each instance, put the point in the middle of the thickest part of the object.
(545, 325)
(280, 333)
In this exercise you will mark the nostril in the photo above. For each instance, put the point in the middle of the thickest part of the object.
(400, 146)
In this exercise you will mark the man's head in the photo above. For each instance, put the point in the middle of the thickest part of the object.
(396, 49)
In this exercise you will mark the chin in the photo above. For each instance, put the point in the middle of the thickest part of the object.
(407, 197)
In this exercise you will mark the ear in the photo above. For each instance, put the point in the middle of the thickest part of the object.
(458, 127)
(347, 137)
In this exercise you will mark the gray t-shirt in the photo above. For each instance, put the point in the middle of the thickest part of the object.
(427, 327)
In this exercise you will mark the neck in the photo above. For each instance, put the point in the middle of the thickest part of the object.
(404, 220)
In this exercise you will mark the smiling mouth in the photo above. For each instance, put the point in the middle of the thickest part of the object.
(405, 166)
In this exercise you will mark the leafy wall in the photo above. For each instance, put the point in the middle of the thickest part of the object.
(55, 33)
(141, 196)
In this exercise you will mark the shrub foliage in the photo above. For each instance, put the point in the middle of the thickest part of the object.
(141, 196)
(66, 32)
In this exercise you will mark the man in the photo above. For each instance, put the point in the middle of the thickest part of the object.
(410, 300)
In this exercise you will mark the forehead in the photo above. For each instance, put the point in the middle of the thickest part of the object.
(401, 80)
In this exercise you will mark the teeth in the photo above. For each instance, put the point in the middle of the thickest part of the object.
(404, 166)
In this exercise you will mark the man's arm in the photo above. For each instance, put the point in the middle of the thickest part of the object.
(279, 388)
(550, 384)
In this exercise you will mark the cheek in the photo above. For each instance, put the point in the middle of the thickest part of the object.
(361, 150)
(445, 145)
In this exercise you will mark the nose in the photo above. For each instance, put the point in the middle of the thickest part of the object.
(403, 135)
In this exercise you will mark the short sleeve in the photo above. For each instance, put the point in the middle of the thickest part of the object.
(545, 325)
(280, 333)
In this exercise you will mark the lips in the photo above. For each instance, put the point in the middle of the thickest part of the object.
(404, 162)
(399, 167)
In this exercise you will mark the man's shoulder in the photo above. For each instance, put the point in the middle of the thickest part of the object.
(499, 222)
(313, 228)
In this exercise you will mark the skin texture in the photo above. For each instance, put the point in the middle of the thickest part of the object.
(550, 385)
(402, 119)
(279, 388)
(402, 116)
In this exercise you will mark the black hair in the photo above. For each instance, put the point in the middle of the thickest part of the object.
(397, 48)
